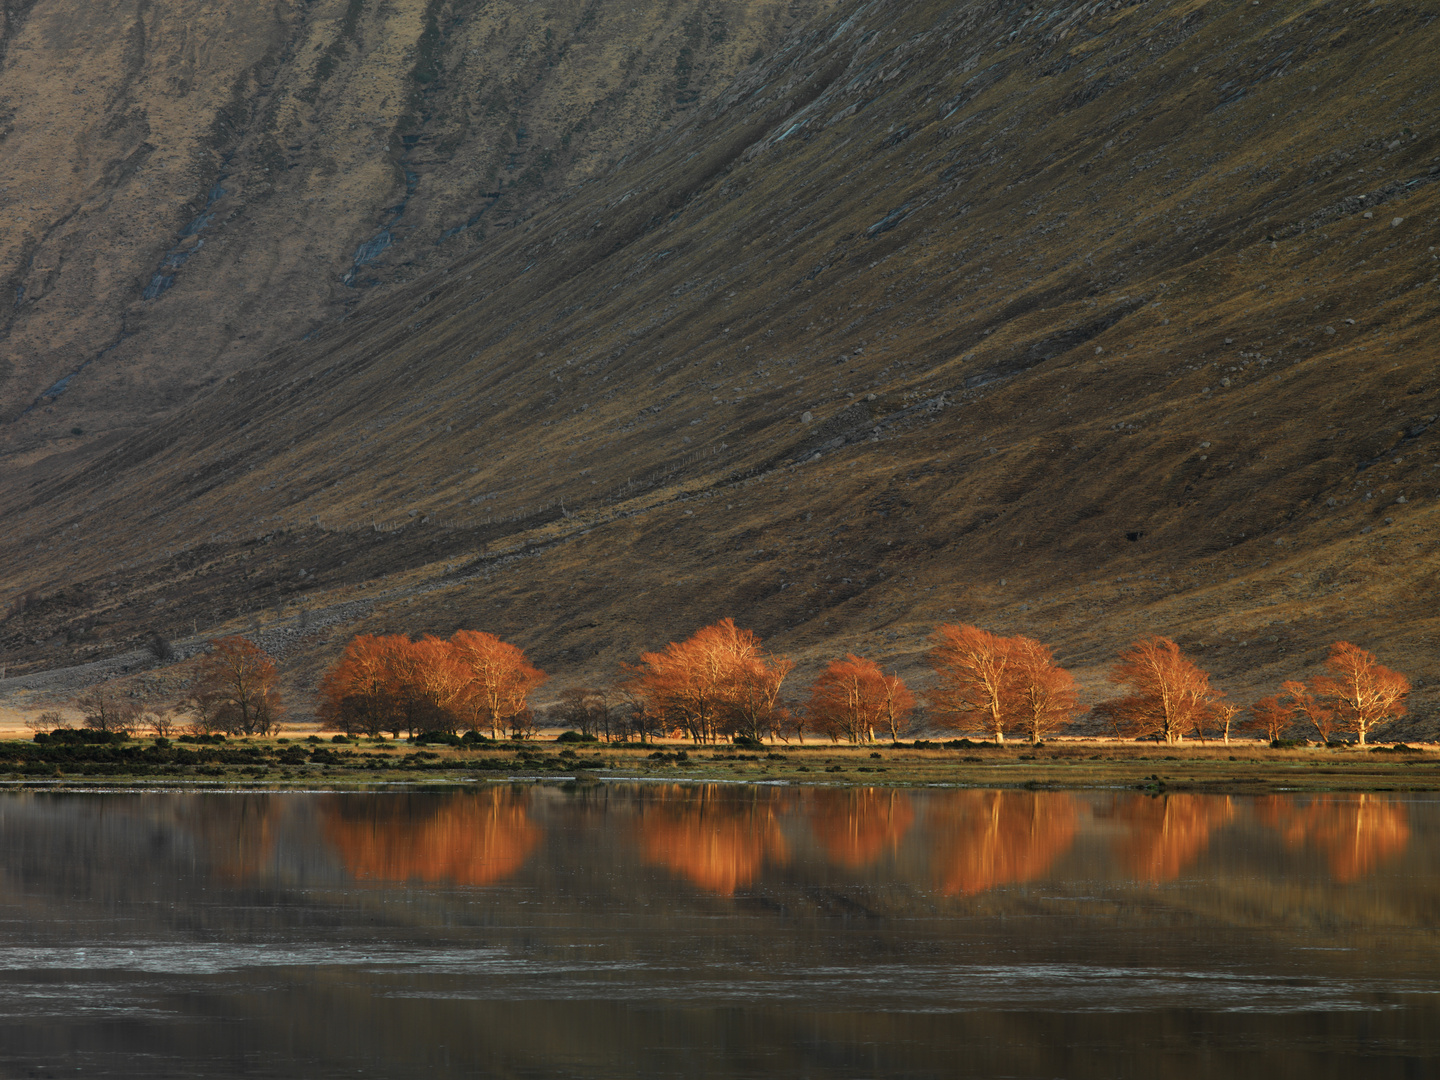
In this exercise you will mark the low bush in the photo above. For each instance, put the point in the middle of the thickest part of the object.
(436, 738)
(76, 736)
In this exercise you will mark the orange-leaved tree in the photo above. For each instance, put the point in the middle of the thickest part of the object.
(501, 679)
(715, 682)
(432, 686)
(999, 683)
(1269, 717)
(1304, 702)
(1365, 692)
(391, 683)
(976, 683)
(358, 695)
(235, 688)
(1169, 695)
(1045, 696)
(853, 697)
(752, 706)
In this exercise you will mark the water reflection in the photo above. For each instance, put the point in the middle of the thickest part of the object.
(718, 838)
(720, 931)
(1356, 833)
(1165, 835)
(467, 839)
(236, 836)
(856, 826)
(984, 839)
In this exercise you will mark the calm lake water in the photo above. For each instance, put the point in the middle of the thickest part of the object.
(719, 931)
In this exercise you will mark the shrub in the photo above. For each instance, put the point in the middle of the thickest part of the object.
(443, 738)
(213, 739)
(575, 737)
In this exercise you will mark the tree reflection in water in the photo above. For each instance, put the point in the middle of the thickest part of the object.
(237, 832)
(463, 839)
(716, 838)
(1356, 833)
(984, 839)
(857, 826)
(1168, 833)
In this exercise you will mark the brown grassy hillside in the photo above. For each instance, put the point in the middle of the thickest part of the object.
(1084, 321)
(186, 186)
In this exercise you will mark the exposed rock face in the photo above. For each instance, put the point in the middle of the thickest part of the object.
(1066, 320)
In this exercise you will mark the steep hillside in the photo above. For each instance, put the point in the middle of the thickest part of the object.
(1087, 321)
(184, 186)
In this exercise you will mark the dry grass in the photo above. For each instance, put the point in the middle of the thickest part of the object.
(1065, 764)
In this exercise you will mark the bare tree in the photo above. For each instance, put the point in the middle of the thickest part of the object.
(235, 689)
(103, 708)
(48, 721)
(586, 710)
(159, 718)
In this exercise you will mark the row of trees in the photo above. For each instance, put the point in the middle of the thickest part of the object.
(721, 684)
(1171, 697)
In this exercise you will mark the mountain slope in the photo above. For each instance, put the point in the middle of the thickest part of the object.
(186, 186)
(1085, 321)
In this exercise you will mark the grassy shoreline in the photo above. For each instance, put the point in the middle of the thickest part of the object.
(271, 764)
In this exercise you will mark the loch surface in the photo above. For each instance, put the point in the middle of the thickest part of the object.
(661, 930)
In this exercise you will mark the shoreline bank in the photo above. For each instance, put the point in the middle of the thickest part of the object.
(365, 765)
